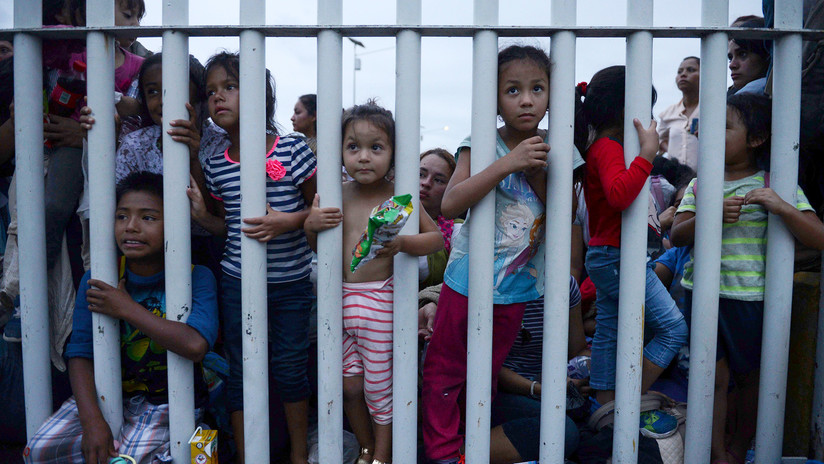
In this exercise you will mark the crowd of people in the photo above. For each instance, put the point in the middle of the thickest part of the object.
(211, 336)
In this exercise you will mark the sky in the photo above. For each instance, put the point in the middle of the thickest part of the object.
(446, 63)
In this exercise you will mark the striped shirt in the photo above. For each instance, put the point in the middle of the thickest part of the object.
(288, 254)
(743, 243)
(525, 357)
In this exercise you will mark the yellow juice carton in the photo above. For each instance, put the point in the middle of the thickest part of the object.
(204, 446)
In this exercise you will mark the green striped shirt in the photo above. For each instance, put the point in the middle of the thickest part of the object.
(743, 243)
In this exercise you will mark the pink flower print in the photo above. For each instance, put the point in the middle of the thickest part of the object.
(275, 170)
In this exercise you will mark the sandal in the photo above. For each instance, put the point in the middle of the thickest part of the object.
(361, 459)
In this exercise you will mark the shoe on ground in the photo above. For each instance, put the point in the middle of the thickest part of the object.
(13, 332)
(658, 424)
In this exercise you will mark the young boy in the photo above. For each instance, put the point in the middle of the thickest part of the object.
(368, 152)
(77, 432)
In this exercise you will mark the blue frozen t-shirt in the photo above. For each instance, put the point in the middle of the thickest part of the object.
(143, 362)
(520, 222)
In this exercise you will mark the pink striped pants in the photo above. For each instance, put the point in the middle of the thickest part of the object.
(367, 343)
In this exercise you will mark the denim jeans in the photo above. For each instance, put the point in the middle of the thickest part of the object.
(289, 305)
(520, 417)
(661, 315)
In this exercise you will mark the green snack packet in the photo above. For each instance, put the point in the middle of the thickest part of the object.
(385, 222)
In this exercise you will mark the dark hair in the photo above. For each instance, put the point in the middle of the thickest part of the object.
(760, 47)
(677, 174)
(196, 76)
(78, 7)
(523, 52)
(52, 8)
(231, 63)
(140, 181)
(6, 87)
(602, 106)
(442, 154)
(692, 58)
(374, 114)
(756, 115)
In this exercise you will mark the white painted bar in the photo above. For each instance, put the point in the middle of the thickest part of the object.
(629, 361)
(558, 234)
(330, 242)
(177, 219)
(31, 224)
(786, 120)
(481, 236)
(405, 316)
(100, 83)
(710, 200)
(253, 204)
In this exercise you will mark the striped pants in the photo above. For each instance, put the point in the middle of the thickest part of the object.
(143, 436)
(367, 343)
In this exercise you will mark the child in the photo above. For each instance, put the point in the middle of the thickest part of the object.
(368, 154)
(64, 180)
(747, 200)
(78, 431)
(518, 178)
(290, 187)
(609, 188)
(142, 149)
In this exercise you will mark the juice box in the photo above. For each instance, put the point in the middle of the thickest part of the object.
(204, 446)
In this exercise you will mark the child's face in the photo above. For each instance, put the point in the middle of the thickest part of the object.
(434, 175)
(138, 226)
(224, 94)
(153, 93)
(125, 16)
(522, 95)
(367, 153)
(736, 147)
(6, 49)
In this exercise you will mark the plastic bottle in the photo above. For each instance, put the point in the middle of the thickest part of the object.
(578, 367)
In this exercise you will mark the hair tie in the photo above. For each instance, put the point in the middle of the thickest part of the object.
(582, 87)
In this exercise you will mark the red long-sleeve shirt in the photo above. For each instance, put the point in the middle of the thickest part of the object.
(609, 188)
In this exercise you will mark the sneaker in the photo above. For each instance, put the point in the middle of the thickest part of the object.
(658, 424)
(13, 333)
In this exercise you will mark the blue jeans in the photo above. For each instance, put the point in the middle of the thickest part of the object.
(520, 417)
(289, 304)
(661, 315)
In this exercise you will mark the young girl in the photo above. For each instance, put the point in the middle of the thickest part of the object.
(368, 153)
(747, 200)
(609, 188)
(518, 178)
(290, 187)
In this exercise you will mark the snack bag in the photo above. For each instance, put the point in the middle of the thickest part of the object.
(385, 222)
(204, 446)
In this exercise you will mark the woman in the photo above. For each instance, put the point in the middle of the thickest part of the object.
(305, 119)
(437, 166)
(749, 59)
(679, 122)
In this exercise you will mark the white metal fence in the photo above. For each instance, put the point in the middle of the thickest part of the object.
(639, 32)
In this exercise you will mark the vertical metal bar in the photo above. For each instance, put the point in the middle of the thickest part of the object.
(407, 149)
(558, 233)
(481, 236)
(817, 426)
(34, 304)
(177, 228)
(704, 331)
(708, 226)
(330, 247)
(253, 204)
(100, 84)
(780, 252)
(629, 360)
